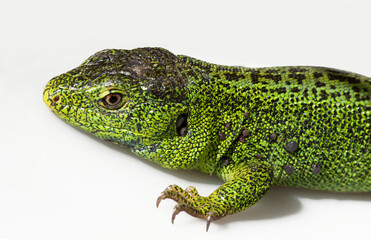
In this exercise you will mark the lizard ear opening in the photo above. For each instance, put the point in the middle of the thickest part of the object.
(182, 124)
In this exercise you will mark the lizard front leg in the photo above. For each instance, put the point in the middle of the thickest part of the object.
(245, 185)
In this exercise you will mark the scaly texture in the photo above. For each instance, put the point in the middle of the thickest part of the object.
(253, 127)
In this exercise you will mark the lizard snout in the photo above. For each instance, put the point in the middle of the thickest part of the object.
(51, 97)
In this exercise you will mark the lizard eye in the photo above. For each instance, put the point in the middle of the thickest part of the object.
(112, 100)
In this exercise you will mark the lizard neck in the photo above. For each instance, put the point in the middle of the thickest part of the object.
(213, 123)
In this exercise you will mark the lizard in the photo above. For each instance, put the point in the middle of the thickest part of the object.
(298, 126)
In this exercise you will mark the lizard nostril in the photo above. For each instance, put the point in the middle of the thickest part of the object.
(56, 99)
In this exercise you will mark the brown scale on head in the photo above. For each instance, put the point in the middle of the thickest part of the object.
(153, 69)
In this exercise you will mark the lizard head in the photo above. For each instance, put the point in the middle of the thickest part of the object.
(132, 97)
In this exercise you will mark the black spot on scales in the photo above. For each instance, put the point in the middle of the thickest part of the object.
(317, 75)
(314, 91)
(222, 136)
(231, 76)
(275, 77)
(297, 76)
(225, 161)
(273, 137)
(289, 169)
(316, 168)
(295, 89)
(347, 95)
(324, 94)
(320, 84)
(342, 77)
(305, 93)
(246, 133)
(356, 89)
(291, 146)
(255, 77)
(281, 90)
(263, 89)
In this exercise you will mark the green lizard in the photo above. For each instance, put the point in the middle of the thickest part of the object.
(304, 127)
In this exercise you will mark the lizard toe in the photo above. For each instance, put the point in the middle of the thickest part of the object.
(177, 209)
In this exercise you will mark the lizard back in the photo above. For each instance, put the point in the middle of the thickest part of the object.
(311, 124)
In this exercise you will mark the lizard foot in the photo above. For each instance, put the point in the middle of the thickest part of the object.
(190, 202)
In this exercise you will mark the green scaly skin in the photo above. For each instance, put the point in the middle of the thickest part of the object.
(293, 126)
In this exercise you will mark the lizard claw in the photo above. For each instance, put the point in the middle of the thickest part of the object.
(176, 211)
(166, 194)
(160, 198)
(210, 217)
(189, 201)
(208, 221)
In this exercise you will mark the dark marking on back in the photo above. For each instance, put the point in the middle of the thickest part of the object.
(317, 75)
(254, 77)
(340, 76)
(314, 91)
(231, 76)
(305, 93)
(356, 89)
(263, 89)
(281, 90)
(320, 84)
(347, 95)
(297, 76)
(295, 89)
(324, 94)
(276, 78)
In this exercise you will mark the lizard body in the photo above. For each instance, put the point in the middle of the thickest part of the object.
(294, 126)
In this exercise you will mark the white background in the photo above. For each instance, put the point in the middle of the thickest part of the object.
(59, 183)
